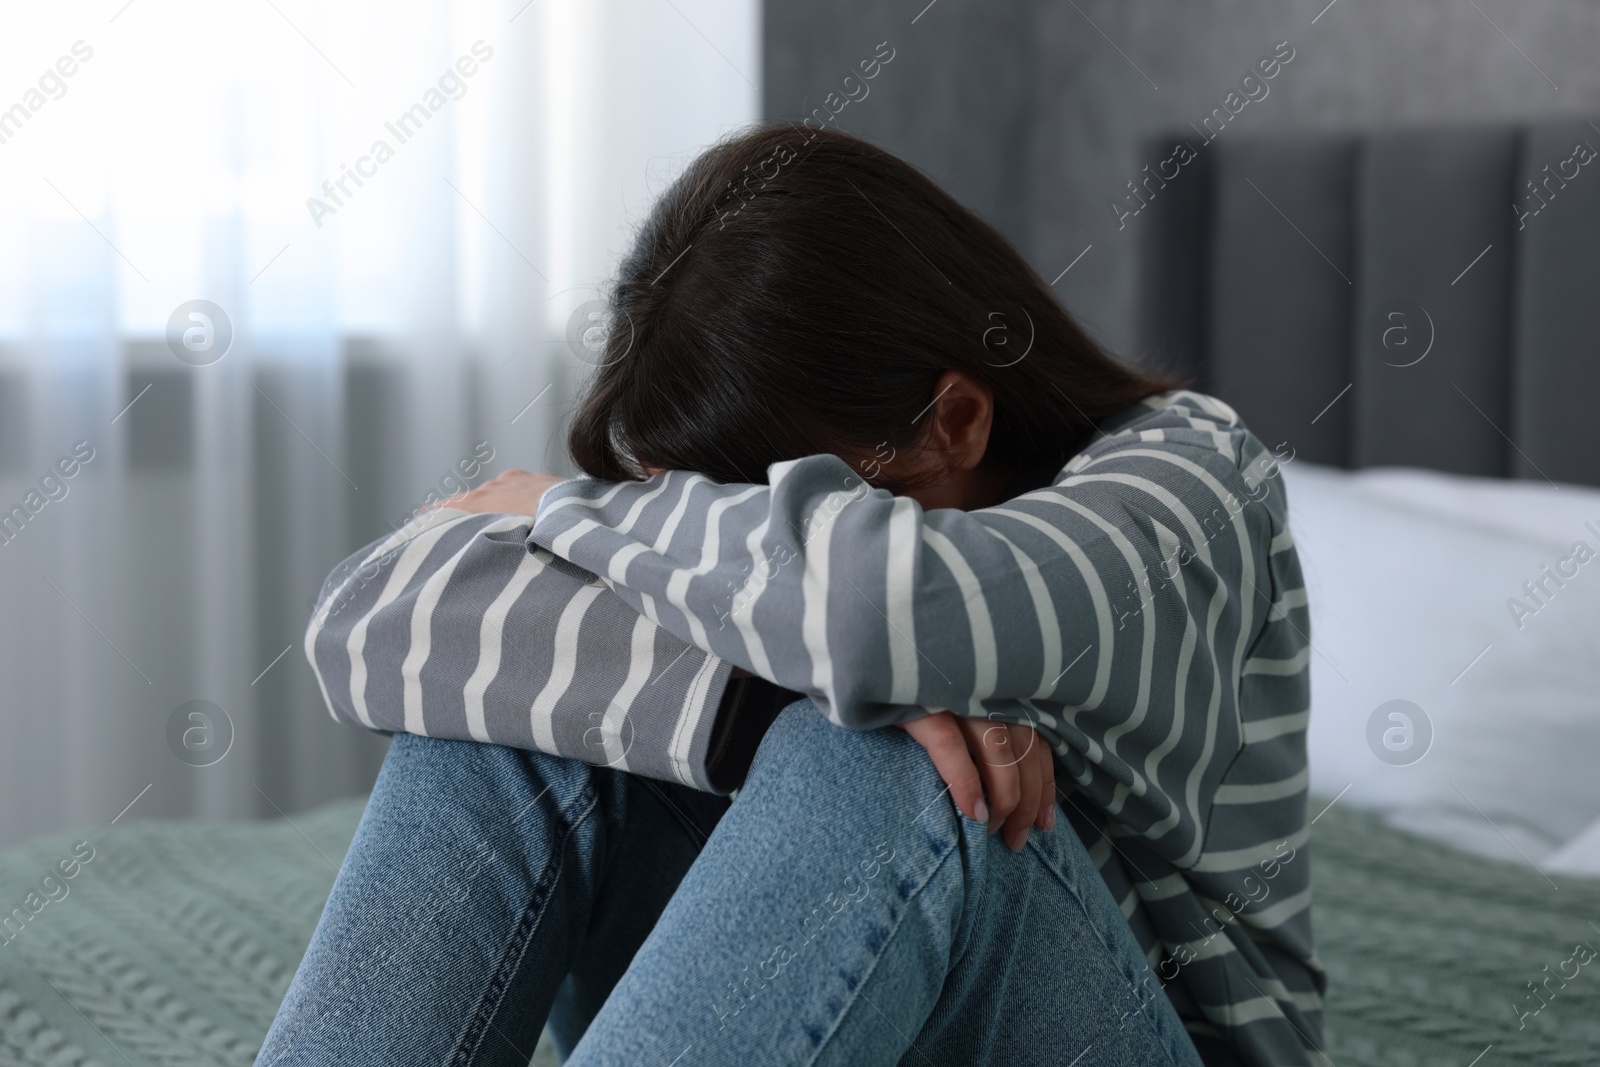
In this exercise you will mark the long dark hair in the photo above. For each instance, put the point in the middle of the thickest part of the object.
(799, 291)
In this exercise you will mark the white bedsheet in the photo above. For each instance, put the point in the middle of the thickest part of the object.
(1411, 577)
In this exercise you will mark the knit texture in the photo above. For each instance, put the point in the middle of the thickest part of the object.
(176, 941)
(1429, 951)
(172, 946)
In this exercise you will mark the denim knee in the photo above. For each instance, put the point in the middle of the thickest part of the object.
(873, 786)
(809, 751)
(489, 791)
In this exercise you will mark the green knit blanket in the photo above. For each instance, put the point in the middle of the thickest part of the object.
(171, 945)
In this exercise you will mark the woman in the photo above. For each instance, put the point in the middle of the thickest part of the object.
(917, 485)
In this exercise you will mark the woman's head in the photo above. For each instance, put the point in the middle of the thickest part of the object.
(799, 291)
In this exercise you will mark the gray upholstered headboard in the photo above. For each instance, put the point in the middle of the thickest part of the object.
(1424, 298)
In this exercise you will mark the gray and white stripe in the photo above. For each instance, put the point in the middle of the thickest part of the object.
(456, 626)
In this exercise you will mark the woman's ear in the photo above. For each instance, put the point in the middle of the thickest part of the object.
(958, 426)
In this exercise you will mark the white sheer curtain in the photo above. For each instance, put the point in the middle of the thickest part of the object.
(396, 208)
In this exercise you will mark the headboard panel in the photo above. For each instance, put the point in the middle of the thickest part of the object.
(1278, 309)
(1556, 383)
(1371, 300)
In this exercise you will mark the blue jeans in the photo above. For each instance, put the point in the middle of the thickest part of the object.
(840, 911)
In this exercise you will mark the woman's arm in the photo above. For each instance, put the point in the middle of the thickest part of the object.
(1112, 611)
(871, 604)
(452, 627)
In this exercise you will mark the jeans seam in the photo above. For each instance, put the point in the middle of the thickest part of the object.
(855, 993)
(477, 1030)
(1156, 1031)
(967, 930)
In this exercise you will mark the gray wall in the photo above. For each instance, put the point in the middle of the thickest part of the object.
(1031, 116)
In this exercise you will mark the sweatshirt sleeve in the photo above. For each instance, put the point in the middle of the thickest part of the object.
(1111, 610)
(455, 626)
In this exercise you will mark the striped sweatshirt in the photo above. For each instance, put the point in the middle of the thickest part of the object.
(457, 626)
(1145, 613)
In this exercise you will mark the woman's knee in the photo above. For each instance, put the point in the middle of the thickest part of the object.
(802, 740)
(839, 861)
(489, 788)
(860, 783)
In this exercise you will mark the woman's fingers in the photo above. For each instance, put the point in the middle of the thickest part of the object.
(1024, 750)
(511, 492)
(1047, 789)
(941, 735)
(990, 745)
(998, 773)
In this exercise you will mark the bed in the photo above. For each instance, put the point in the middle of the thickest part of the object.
(1392, 315)
(176, 940)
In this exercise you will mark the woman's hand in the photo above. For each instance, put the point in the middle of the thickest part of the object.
(1007, 763)
(511, 492)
